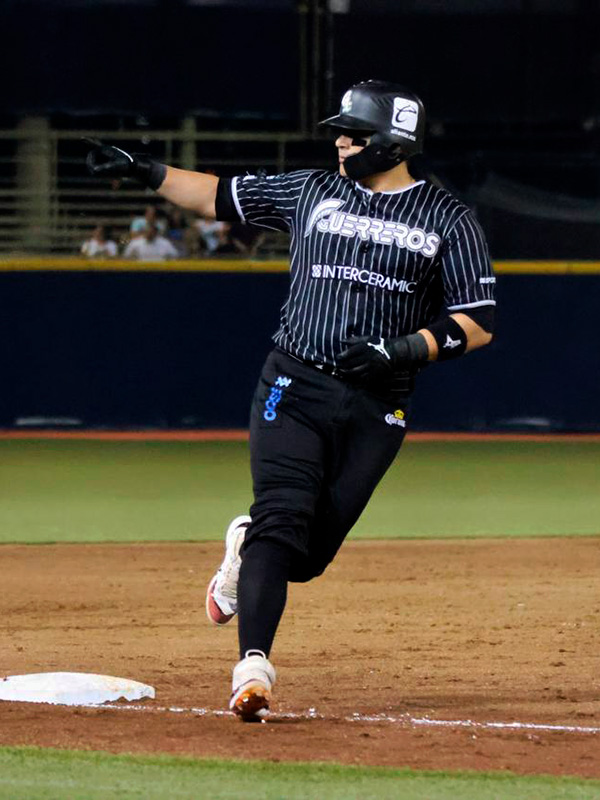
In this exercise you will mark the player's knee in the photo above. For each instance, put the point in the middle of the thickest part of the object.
(288, 527)
(304, 570)
(273, 521)
(275, 553)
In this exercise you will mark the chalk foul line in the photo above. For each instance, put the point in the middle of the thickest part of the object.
(403, 719)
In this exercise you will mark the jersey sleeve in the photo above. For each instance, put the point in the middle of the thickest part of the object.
(467, 271)
(269, 201)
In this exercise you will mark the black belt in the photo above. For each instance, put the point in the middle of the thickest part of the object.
(399, 387)
(326, 369)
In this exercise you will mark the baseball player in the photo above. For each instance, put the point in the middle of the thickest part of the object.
(388, 273)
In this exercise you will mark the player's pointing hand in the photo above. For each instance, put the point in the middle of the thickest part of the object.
(106, 160)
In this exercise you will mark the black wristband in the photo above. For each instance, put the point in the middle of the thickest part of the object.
(418, 347)
(450, 337)
(148, 171)
(412, 349)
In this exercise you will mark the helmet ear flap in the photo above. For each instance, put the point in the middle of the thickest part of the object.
(395, 152)
(390, 147)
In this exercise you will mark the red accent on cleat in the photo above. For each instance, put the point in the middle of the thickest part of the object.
(213, 612)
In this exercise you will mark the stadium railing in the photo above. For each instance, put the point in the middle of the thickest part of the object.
(49, 204)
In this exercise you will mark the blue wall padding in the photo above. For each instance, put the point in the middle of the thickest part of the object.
(185, 349)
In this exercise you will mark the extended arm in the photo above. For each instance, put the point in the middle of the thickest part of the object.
(194, 191)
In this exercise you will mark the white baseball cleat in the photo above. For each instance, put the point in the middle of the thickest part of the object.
(253, 679)
(221, 595)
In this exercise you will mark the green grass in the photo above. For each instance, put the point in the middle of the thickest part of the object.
(37, 774)
(91, 491)
(486, 489)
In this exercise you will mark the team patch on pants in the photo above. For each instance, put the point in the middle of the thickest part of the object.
(275, 396)
(397, 418)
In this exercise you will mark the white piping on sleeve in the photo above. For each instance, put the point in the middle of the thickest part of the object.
(472, 305)
(236, 200)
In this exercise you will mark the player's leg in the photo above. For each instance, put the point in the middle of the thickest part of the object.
(253, 676)
(347, 460)
(363, 449)
(287, 471)
(287, 460)
(262, 595)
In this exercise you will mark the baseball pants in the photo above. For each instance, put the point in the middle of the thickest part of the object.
(318, 448)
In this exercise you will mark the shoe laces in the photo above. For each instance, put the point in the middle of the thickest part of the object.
(227, 578)
(228, 572)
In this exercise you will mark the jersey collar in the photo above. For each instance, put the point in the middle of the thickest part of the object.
(395, 191)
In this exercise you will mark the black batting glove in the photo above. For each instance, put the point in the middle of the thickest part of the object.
(373, 358)
(106, 160)
(365, 358)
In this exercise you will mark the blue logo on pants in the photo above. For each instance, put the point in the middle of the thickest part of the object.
(274, 398)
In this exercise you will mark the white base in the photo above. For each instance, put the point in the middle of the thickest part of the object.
(71, 689)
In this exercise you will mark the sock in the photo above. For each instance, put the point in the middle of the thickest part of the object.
(262, 593)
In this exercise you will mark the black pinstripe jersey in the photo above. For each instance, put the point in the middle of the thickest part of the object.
(364, 263)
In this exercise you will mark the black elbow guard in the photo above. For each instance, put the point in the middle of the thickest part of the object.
(483, 316)
(225, 209)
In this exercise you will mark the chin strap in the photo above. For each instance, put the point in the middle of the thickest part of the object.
(378, 156)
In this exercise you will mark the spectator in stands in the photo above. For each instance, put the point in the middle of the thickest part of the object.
(150, 217)
(179, 231)
(100, 244)
(150, 246)
(214, 236)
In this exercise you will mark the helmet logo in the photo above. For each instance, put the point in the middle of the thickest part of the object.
(406, 114)
(347, 102)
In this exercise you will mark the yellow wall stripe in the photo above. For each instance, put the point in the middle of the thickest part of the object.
(123, 265)
(547, 267)
(44, 264)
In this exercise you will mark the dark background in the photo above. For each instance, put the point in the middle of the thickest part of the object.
(510, 64)
(185, 350)
(511, 87)
(512, 90)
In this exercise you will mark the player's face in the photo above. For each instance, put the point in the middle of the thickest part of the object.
(349, 146)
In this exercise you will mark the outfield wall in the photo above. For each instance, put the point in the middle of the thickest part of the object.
(181, 345)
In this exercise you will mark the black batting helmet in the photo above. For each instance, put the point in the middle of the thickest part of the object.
(388, 109)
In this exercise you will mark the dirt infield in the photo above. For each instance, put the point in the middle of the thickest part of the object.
(405, 632)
